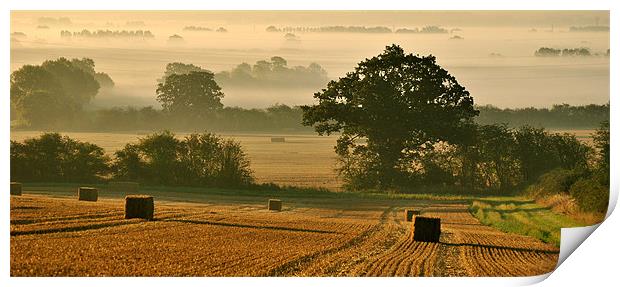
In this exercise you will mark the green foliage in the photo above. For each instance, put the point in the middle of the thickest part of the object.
(556, 181)
(601, 142)
(562, 116)
(399, 103)
(54, 158)
(178, 68)
(88, 65)
(539, 151)
(497, 166)
(195, 94)
(272, 72)
(199, 159)
(53, 92)
(590, 195)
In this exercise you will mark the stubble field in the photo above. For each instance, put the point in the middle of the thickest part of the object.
(219, 234)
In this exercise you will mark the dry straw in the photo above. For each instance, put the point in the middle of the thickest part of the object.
(274, 204)
(87, 194)
(139, 206)
(426, 229)
(16, 188)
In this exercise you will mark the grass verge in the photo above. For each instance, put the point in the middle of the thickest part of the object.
(522, 216)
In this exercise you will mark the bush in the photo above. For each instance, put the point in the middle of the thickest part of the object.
(590, 195)
(52, 157)
(199, 159)
(557, 181)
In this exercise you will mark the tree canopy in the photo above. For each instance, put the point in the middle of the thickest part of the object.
(400, 104)
(54, 91)
(192, 94)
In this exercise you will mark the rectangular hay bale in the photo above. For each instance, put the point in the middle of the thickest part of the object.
(427, 229)
(87, 194)
(409, 213)
(274, 204)
(139, 206)
(277, 139)
(127, 187)
(16, 188)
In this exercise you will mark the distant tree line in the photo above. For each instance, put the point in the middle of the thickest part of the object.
(160, 158)
(284, 118)
(264, 73)
(332, 29)
(357, 29)
(273, 72)
(196, 28)
(562, 116)
(423, 30)
(137, 34)
(551, 52)
(589, 29)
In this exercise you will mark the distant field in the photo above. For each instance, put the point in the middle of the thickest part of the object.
(216, 232)
(582, 135)
(302, 160)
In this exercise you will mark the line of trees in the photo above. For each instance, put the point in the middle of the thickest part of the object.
(284, 118)
(131, 34)
(551, 52)
(358, 29)
(160, 158)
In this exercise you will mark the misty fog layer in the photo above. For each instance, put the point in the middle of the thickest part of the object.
(490, 53)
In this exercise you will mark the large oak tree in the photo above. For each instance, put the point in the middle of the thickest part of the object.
(390, 108)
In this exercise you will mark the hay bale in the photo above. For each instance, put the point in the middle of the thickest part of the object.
(274, 204)
(409, 213)
(139, 206)
(426, 229)
(87, 193)
(127, 187)
(277, 139)
(16, 188)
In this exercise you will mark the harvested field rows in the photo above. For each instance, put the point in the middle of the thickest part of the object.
(63, 236)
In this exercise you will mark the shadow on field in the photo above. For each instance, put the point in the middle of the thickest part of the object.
(517, 249)
(247, 225)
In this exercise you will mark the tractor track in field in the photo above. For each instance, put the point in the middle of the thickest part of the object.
(296, 267)
(107, 222)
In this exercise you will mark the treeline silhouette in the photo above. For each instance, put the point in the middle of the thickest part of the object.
(423, 30)
(124, 34)
(159, 158)
(357, 29)
(270, 73)
(196, 28)
(273, 72)
(551, 52)
(562, 116)
(589, 29)
(284, 118)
